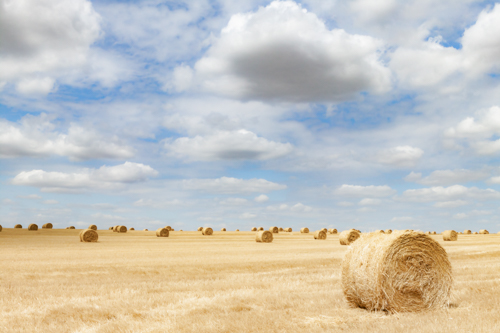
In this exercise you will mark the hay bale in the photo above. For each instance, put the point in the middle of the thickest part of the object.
(162, 232)
(145, 230)
(33, 227)
(71, 227)
(115, 228)
(254, 229)
(346, 237)
(332, 231)
(474, 233)
(388, 231)
(110, 228)
(88, 236)
(121, 229)
(260, 229)
(93, 227)
(483, 232)
(18, 226)
(223, 229)
(380, 231)
(1, 228)
(320, 234)
(237, 230)
(304, 231)
(207, 231)
(264, 236)
(467, 232)
(280, 229)
(428, 233)
(450, 235)
(47, 226)
(274, 230)
(200, 228)
(172, 229)
(169, 228)
(131, 229)
(288, 229)
(401, 272)
(325, 229)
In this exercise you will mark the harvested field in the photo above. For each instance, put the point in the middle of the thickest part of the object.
(52, 282)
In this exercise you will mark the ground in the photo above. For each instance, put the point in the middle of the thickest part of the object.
(227, 282)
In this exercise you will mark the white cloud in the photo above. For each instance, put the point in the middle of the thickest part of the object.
(36, 86)
(460, 216)
(103, 178)
(110, 217)
(369, 202)
(50, 202)
(402, 219)
(234, 202)
(283, 52)
(450, 204)
(229, 185)
(451, 193)
(228, 145)
(30, 196)
(345, 204)
(400, 156)
(448, 177)
(247, 216)
(365, 191)
(299, 207)
(261, 198)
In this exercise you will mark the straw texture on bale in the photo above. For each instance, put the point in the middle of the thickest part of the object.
(280, 229)
(121, 228)
(47, 226)
(71, 227)
(88, 236)
(264, 236)
(320, 234)
(474, 233)
(169, 228)
(450, 235)
(145, 230)
(325, 229)
(93, 227)
(207, 231)
(237, 230)
(433, 232)
(200, 228)
(467, 232)
(401, 272)
(115, 228)
(131, 229)
(33, 227)
(388, 231)
(223, 229)
(332, 231)
(1, 228)
(162, 232)
(260, 229)
(18, 226)
(110, 228)
(304, 231)
(254, 229)
(274, 230)
(288, 229)
(346, 237)
(484, 232)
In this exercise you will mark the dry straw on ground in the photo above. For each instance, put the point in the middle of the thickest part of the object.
(274, 230)
(254, 229)
(346, 237)
(467, 232)
(332, 231)
(401, 272)
(162, 232)
(304, 231)
(450, 235)
(33, 227)
(264, 236)
(207, 231)
(484, 232)
(18, 226)
(88, 236)
(47, 226)
(388, 231)
(320, 234)
(93, 227)
(200, 228)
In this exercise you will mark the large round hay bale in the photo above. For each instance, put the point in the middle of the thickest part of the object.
(131, 229)
(121, 229)
(332, 231)
(288, 229)
(115, 228)
(254, 229)
(280, 229)
(88, 236)
(450, 235)
(320, 234)
(346, 237)
(110, 228)
(47, 226)
(18, 226)
(237, 230)
(223, 229)
(207, 231)
(467, 232)
(304, 230)
(264, 236)
(33, 227)
(274, 230)
(71, 227)
(200, 228)
(484, 232)
(401, 272)
(260, 229)
(169, 228)
(388, 231)
(162, 232)
(93, 227)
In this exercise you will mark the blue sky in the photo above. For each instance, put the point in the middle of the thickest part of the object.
(365, 113)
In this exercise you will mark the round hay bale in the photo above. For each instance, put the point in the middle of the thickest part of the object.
(260, 229)
(169, 228)
(274, 230)
(200, 228)
(1, 228)
(332, 231)
(237, 230)
(325, 229)
(380, 231)
(47, 226)
(93, 227)
(162, 232)
(346, 237)
(450, 235)
(207, 231)
(254, 229)
(459, 232)
(223, 229)
(131, 229)
(264, 236)
(401, 272)
(320, 234)
(71, 227)
(88, 236)
(388, 231)
(433, 232)
(172, 229)
(110, 228)
(427, 232)
(474, 233)
(115, 228)
(467, 232)
(304, 231)
(280, 229)
(288, 229)
(121, 229)
(18, 226)
(145, 230)
(33, 227)
(483, 232)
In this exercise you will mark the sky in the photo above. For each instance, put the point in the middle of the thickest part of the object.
(366, 114)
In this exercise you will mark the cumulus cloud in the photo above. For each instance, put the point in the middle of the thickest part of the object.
(369, 202)
(402, 219)
(234, 202)
(229, 185)
(365, 191)
(261, 198)
(297, 208)
(283, 52)
(451, 193)
(103, 178)
(156, 203)
(227, 145)
(450, 204)
(247, 216)
(448, 177)
(400, 156)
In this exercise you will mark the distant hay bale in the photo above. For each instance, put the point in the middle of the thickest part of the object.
(115, 228)
(401, 272)
(71, 227)
(1, 228)
(260, 229)
(47, 226)
(346, 237)
(121, 229)
(88, 236)
(254, 229)
(264, 236)
(484, 232)
(110, 228)
(428, 233)
(474, 233)
(332, 231)
(18, 226)
(162, 232)
(274, 230)
(33, 227)
(467, 232)
(223, 229)
(459, 232)
(93, 227)
(207, 231)
(145, 230)
(280, 229)
(172, 229)
(325, 229)
(380, 231)
(320, 234)
(388, 231)
(450, 235)
(237, 230)
(288, 229)
(131, 229)
(169, 228)
(433, 232)
(200, 228)
(304, 231)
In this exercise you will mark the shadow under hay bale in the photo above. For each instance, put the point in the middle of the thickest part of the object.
(274, 230)
(162, 232)
(89, 236)
(93, 227)
(450, 235)
(264, 236)
(332, 231)
(304, 230)
(18, 226)
(346, 237)
(320, 234)
(207, 231)
(401, 272)
(47, 226)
